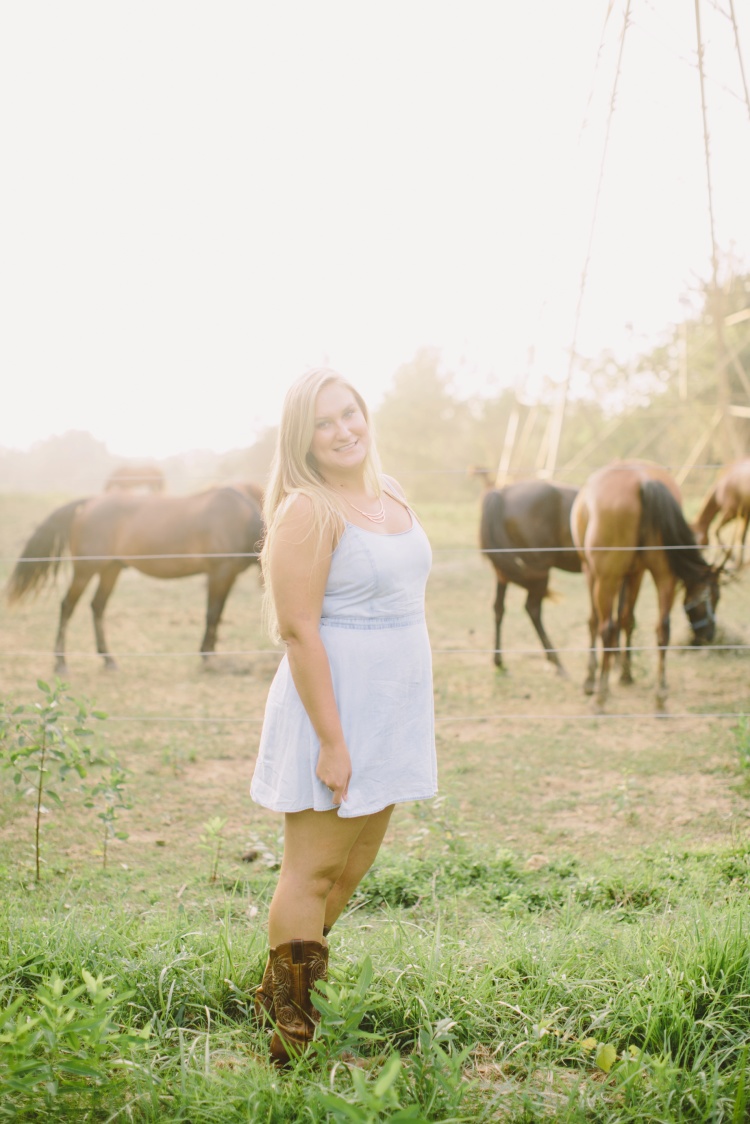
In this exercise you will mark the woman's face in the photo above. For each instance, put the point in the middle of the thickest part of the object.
(340, 437)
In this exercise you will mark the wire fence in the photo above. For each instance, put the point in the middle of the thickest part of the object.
(505, 716)
(436, 651)
(536, 551)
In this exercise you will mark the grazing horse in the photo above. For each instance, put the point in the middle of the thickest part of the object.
(730, 496)
(525, 530)
(627, 519)
(216, 532)
(136, 477)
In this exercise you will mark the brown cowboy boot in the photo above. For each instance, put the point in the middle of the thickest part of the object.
(297, 966)
(263, 1002)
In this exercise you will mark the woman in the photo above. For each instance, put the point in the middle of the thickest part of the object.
(348, 730)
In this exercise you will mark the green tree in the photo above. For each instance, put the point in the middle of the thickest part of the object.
(424, 430)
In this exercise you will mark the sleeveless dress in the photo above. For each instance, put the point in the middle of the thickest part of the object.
(374, 631)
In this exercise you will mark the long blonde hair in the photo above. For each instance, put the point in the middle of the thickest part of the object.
(294, 472)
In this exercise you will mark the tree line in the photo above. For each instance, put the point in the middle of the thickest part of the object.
(661, 405)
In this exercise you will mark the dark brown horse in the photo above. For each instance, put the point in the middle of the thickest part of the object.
(215, 532)
(525, 530)
(627, 519)
(730, 497)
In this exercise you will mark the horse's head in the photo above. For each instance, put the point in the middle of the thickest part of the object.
(701, 600)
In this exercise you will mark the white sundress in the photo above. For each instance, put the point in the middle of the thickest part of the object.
(374, 631)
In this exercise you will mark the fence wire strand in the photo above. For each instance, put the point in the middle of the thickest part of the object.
(125, 559)
(474, 718)
(278, 653)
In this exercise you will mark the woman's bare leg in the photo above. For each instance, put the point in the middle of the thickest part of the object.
(316, 848)
(325, 858)
(361, 857)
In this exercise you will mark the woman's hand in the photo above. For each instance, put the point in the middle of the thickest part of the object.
(334, 769)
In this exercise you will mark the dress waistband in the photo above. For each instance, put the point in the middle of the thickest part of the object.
(373, 622)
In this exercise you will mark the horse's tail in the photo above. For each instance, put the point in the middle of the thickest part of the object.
(661, 512)
(496, 542)
(40, 558)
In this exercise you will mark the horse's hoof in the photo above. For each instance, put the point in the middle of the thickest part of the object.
(110, 664)
(588, 687)
(561, 672)
(61, 668)
(626, 680)
(597, 706)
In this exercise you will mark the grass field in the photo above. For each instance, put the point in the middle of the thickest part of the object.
(562, 935)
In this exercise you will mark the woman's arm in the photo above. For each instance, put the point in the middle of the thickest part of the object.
(298, 575)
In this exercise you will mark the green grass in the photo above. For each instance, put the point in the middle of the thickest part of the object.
(505, 1009)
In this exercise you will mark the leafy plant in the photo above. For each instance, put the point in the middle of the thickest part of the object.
(342, 1008)
(49, 737)
(212, 841)
(372, 1100)
(63, 1040)
(108, 796)
(368, 1100)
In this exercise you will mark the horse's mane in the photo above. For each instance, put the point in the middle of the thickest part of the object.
(661, 513)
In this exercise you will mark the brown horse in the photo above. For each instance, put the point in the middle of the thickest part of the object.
(216, 532)
(730, 496)
(525, 531)
(625, 520)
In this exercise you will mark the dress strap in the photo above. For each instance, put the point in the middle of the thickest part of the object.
(393, 489)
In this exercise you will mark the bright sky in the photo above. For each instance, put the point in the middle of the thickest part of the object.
(201, 200)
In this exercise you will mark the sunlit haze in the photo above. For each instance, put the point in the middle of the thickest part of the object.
(199, 201)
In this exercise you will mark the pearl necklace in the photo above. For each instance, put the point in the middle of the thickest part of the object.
(378, 517)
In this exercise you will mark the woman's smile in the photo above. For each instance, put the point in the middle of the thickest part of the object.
(341, 434)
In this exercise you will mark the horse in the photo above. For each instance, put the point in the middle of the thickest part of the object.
(525, 531)
(134, 477)
(626, 519)
(730, 496)
(216, 532)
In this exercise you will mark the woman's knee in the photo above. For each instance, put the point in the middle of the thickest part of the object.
(318, 881)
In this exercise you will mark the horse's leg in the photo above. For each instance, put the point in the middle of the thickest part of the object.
(743, 536)
(107, 578)
(727, 516)
(605, 594)
(590, 681)
(499, 611)
(220, 582)
(82, 575)
(536, 594)
(628, 597)
(665, 589)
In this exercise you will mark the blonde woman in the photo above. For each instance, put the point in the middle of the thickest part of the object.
(348, 729)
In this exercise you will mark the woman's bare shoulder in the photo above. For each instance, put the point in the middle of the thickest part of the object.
(391, 484)
(296, 515)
